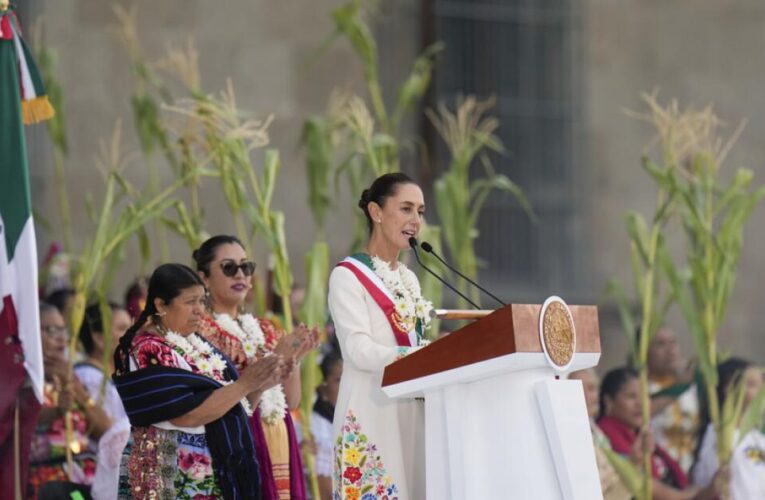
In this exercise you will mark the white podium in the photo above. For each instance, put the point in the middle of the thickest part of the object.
(499, 422)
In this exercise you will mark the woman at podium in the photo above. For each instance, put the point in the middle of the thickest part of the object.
(380, 316)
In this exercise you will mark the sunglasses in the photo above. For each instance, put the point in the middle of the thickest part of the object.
(230, 268)
(55, 331)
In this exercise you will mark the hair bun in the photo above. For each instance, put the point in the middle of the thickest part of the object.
(364, 201)
(195, 255)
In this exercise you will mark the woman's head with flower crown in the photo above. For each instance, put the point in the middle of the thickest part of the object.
(223, 265)
(394, 207)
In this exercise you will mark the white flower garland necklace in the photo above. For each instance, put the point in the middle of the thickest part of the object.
(199, 352)
(409, 302)
(273, 402)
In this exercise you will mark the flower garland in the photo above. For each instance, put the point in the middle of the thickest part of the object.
(202, 355)
(409, 302)
(273, 402)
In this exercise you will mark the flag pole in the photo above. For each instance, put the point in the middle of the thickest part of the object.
(16, 440)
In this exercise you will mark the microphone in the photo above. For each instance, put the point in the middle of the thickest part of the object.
(429, 248)
(413, 244)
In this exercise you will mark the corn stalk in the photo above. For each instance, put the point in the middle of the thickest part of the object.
(313, 312)
(151, 132)
(650, 264)
(469, 135)
(712, 215)
(46, 61)
(364, 135)
(123, 214)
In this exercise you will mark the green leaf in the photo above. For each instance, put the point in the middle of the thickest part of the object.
(348, 22)
(615, 289)
(754, 416)
(638, 232)
(416, 84)
(658, 174)
(627, 472)
(316, 140)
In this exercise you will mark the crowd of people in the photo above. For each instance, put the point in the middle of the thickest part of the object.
(203, 397)
(679, 437)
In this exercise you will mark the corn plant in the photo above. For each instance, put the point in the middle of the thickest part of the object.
(365, 135)
(151, 132)
(313, 312)
(469, 135)
(712, 214)
(122, 215)
(226, 140)
(647, 247)
(46, 61)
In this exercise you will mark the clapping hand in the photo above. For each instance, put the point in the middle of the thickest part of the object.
(299, 343)
(264, 373)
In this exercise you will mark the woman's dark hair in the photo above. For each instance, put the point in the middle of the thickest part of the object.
(93, 323)
(46, 307)
(383, 187)
(59, 298)
(205, 254)
(729, 372)
(329, 361)
(611, 385)
(166, 283)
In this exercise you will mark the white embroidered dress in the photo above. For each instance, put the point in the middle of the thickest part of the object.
(379, 442)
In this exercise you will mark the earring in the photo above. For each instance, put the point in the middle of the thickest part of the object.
(160, 314)
(379, 221)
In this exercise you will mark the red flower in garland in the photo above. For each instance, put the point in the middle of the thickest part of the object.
(352, 474)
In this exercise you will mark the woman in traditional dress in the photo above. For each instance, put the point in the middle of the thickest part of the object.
(186, 402)
(612, 485)
(91, 372)
(63, 394)
(747, 464)
(621, 420)
(227, 271)
(379, 316)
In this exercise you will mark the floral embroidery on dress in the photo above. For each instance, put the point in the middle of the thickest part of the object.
(150, 350)
(359, 470)
(755, 455)
(170, 464)
(151, 465)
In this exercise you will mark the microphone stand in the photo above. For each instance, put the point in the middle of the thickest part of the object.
(429, 248)
(413, 244)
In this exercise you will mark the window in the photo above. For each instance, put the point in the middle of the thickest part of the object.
(526, 53)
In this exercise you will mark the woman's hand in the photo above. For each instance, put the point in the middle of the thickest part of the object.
(643, 442)
(263, 374)
(65, 396)
(310, 342)
(80, 394)
(238, 358)
(297, 344)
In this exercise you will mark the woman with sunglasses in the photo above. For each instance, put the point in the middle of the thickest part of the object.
(227, 272)
(379, 315)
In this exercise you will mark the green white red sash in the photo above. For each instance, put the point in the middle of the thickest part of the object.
(361, 267)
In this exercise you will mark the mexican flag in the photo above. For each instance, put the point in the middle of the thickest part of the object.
(22, 100)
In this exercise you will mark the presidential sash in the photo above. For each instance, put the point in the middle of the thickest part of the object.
(361, 266)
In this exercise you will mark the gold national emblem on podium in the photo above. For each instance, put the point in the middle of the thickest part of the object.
(557, 332)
